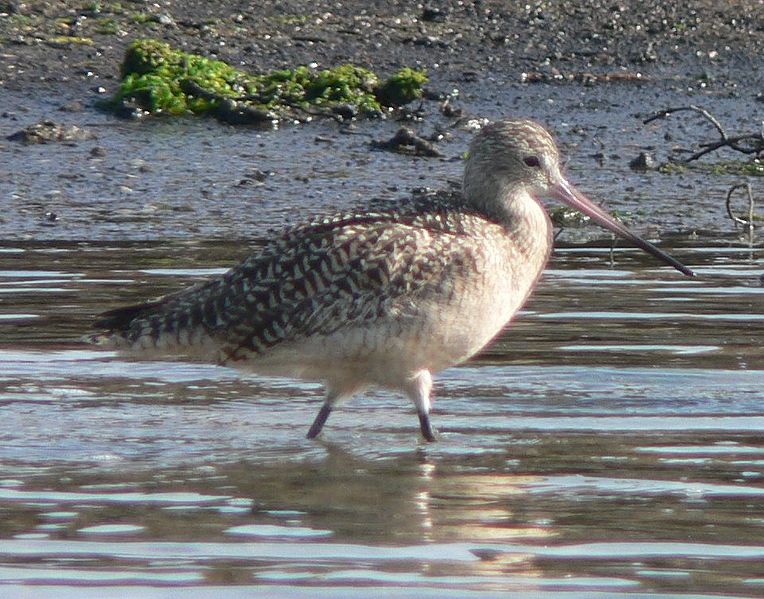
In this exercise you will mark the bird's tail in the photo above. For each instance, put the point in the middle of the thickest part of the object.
(114, 325)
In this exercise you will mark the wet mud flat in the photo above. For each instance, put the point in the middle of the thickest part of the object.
(70, 43)
(197, 178)
(608, 443)
(599, 70)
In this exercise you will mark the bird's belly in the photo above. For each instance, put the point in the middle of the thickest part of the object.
(387, 352)
(381, 353)
(456, 335)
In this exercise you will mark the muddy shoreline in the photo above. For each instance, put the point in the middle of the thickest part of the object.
(590, 73)
(71, 43)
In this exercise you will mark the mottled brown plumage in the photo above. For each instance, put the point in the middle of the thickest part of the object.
(382, 298)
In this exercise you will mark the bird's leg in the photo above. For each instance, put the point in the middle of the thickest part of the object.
(331, 398)
(426, 427)
(418, 389)
(318, 423)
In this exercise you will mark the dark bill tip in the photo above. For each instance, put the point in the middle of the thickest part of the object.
(568, 194)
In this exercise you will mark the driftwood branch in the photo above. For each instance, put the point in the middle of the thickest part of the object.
(750, 143)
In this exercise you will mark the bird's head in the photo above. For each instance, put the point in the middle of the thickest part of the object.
(512, 162)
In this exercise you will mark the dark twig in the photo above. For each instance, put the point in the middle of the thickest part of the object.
(751, 143)
(747, 224)
(702, 111)
(611, 255)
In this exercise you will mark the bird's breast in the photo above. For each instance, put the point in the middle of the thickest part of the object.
(461, 329)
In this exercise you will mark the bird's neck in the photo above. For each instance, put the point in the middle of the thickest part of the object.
(514, 208)
(527, 224)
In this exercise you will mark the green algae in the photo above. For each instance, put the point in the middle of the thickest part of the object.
(68, 40)
(562, 216)
(159, 79)
(672, 168)
(403, 87)
(566, 217)
(106, 26)
(751, 168)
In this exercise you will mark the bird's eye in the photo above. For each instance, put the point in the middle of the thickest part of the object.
(532, 161)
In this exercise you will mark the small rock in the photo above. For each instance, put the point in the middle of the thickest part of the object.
(48, 131)
(165, 19)
(405, 141)
(475, 124)
(74, 106)
(239, 113)
(97, 152)
(434, 14)
(427, 41)
(450, 111)
(254, 177)
(487, 555)
(257, 175)
(435, 95)
(128, 108)
(643, 162)
(347, 112)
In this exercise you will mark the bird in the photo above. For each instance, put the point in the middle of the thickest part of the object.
(384, 297)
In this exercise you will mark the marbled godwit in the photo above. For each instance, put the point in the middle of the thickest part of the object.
(383, 298)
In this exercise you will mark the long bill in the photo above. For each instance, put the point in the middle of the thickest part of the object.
(569, 195)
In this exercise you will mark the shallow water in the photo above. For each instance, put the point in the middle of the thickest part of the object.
(609, 442)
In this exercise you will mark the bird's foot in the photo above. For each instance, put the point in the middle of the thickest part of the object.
(424, 425)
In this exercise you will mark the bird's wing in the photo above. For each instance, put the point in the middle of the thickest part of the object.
(313, 279)
(323, 279)
(317, 280)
